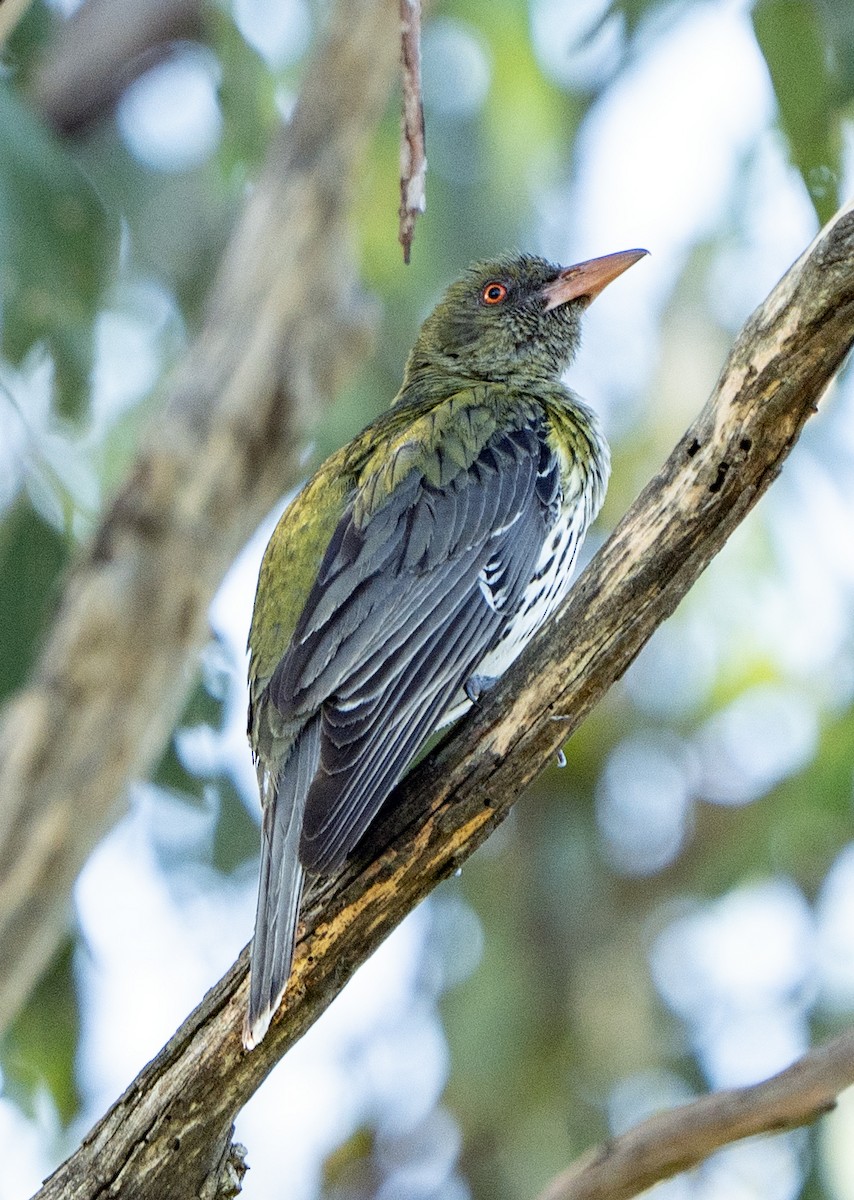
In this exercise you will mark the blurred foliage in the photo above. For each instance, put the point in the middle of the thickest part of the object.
(567, 1026)
(811, 90)
(39, 1050)
(235, 834)
(32, 555)
(57, 253)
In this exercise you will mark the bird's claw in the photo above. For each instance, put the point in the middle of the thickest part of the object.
(476, 685)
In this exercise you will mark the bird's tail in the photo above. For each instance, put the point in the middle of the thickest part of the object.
(280, 886)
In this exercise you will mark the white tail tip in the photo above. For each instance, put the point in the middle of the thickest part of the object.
(253, 1032)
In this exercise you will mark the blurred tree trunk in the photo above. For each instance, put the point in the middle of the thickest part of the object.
(283, 328)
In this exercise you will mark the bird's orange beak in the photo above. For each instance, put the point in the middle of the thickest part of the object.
(587, 279)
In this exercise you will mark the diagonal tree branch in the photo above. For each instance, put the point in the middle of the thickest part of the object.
(175, 1119)
(683, 1137)
(119, 661)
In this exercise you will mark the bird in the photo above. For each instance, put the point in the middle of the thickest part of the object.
(412, 569)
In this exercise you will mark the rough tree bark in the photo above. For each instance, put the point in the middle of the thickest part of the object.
(168, 1134)
(116, 668)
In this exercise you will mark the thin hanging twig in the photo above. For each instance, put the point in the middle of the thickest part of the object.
(413, 158)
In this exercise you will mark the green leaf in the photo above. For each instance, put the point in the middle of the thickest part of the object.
(32, 557)
(201, 709)
(237, 837)
(839, 18)
(56, 253)
(795, 41)
(247, 94)
(39, 1049)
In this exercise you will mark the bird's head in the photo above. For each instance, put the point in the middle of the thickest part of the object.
(515, 317)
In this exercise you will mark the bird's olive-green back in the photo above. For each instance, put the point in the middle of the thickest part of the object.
(290, 565)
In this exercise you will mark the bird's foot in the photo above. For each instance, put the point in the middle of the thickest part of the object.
(476, 685)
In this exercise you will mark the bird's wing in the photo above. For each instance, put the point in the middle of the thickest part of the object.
(403, 609)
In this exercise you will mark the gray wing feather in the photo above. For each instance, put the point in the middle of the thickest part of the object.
(397, 621)
(344, 796)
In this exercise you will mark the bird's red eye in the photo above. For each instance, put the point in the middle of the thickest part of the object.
(494, 293)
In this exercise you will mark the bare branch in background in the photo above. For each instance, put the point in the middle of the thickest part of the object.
(100, 49)
(413, 156)
(678, 1140)
(283, 328)
(176, 1117)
